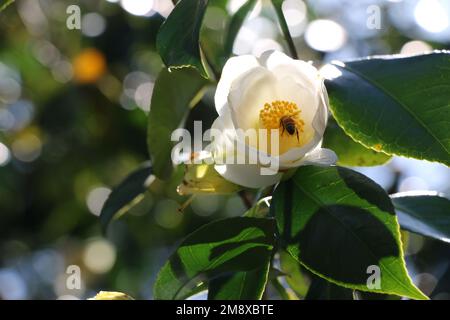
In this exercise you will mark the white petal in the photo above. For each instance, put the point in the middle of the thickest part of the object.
(272, 58)
(234, 67)
(247, 175)
(293, 157)
(223, 144)
(320, 157)
(282, 65)
(223, 121)
(321, 118)
(248, 94)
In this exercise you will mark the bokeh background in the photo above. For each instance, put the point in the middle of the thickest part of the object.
(73, 117)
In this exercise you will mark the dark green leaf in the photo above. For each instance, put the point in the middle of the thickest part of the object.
(360, 295)
(178, 38)
(126, 194)
(396, 105)
(174, 93)
(235, 25)
(350, 152)
(235, 245)
(247, 285)
(321, 289)
(428, 215)
(338, 223)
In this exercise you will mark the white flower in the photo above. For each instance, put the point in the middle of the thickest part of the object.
(262, 94)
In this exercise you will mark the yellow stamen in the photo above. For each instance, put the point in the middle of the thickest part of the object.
(272, 113)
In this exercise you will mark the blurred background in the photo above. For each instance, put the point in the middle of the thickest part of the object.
(73, 117)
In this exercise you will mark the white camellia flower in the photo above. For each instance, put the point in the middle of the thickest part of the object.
(270, 92)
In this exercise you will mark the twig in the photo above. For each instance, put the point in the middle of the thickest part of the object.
(277, 4)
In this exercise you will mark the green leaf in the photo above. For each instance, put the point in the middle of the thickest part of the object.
(428, 215)
(5, 4)
(321, 289)
(243, 285)
(395, 105)
(173, 95)
(178, 38)
(350, 152)
(295, 277)
(360, 295)
(128, 193)
(235, 25)
(234, 245)
(248, 285)
(337, 223)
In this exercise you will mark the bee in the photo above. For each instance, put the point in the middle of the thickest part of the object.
(289, 125)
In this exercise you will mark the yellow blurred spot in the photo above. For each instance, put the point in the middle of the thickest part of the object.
(378, 147)
(88, 66)
(27, 145)
(111, 295)
(99, 256)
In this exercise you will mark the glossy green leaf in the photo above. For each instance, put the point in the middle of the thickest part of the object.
(178, 38)
(338, 223)
(235, 245)
(426, 214)
(173, 95)
(128, 193)
(399, 105)
(350, 152)
(235, 25)
(247, 285)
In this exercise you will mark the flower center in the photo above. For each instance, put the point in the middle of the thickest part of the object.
(283, 115)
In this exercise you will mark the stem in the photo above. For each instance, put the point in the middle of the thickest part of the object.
(186, 204)
(277, 4)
